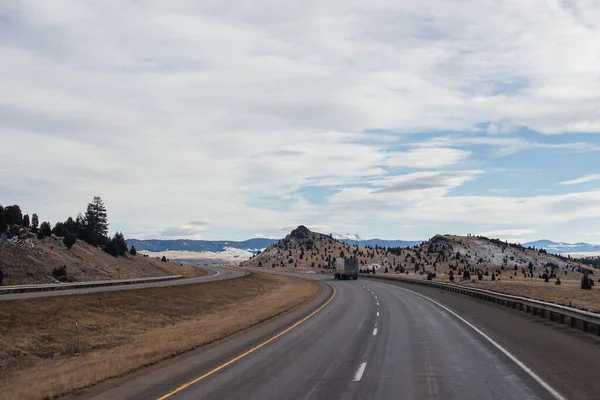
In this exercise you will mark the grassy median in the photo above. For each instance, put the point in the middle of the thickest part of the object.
(51, 346)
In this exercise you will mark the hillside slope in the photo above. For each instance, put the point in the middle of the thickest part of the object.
(31, 261)
(305, 249)
(441, 254)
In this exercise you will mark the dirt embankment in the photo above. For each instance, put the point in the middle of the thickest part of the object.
(50, 346)
(31, 261)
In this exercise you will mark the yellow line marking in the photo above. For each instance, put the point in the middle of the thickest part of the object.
(252, 350)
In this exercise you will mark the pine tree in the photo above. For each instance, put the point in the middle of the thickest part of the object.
(35, 222)
(26, 221)
(70, 239)
(96, 222)
(121, 244)
(45, 229)
(13, 215)
(133, 251)
(586, 283)
(3, 224)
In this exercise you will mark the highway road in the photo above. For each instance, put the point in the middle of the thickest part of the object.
(214, 274)
(374, 340)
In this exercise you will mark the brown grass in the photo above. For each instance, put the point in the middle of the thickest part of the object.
(33, 260)
(71, 342)
(568, 293)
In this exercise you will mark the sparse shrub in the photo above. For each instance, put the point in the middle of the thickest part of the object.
(59, 272)
(451, 276)
(260, 264)
(163, 259)
(69, 239)
(466, 275)
(493, 276)
(558, 282)
(431, 275)
(386, 270)
(133, 251)
(480, 276)
(586, 282)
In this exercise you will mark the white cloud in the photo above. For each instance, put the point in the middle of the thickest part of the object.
(583, 179)
(511, 232)
(228, 112)
(426, 157)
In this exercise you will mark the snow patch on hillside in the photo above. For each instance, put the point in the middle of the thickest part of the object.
(346, 236)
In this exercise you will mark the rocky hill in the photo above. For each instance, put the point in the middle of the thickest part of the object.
(305, 249)
(442, 254)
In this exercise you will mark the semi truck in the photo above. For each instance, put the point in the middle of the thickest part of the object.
(346, 268)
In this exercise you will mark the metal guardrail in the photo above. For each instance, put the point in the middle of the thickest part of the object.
(579, 319)
(81, 285)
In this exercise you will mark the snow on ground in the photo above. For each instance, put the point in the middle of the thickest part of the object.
(476, 248)
(583, 254)
(229, 255)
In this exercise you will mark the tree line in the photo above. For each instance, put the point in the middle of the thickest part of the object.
(91, 227)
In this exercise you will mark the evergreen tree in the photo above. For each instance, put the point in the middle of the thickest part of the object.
(121, 244)
(73, 226)
(70, 239)
(60, 230)
(116, 246)
(96, 222)
(13, 215)
(3, 224)
(586, 282)
(133, 251)
(45, 229)
(26, 223)
(35, 222)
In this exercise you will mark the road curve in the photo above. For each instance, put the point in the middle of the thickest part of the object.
(371, 341)
(214, 274)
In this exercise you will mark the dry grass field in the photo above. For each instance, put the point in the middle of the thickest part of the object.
(568, 293)
(51, 346)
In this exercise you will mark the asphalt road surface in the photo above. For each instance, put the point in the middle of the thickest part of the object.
(214, 274)
(374, 340)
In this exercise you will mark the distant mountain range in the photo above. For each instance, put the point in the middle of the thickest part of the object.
(254, 245)
(214, 246)
(562, 247)
(354, 239)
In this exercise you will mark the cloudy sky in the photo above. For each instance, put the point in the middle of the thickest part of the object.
(227, 120)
